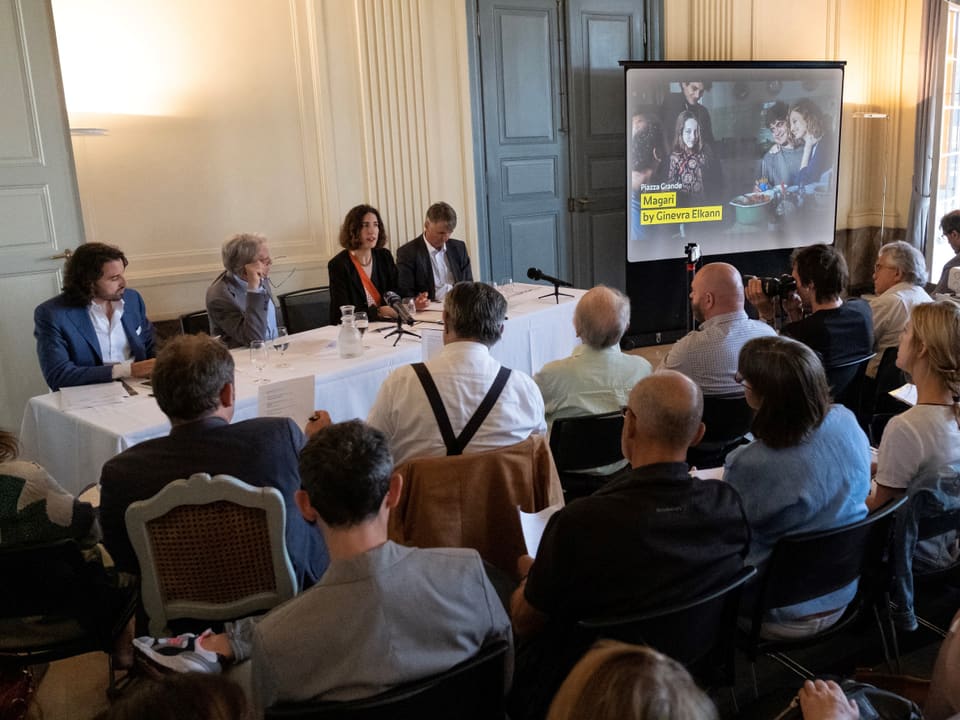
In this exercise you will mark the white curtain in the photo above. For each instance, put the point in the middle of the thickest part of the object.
(928, 105)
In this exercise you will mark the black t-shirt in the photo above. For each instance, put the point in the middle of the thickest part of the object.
(652, 537)
(838, 336)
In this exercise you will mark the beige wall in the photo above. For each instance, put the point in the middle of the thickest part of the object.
(879, 40)
(262, 115)
(279, 115)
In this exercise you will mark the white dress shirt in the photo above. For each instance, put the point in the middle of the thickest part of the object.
(442, 275)
(114, 345)
(463, 373)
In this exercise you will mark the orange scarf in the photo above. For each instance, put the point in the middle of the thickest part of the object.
(367, 283)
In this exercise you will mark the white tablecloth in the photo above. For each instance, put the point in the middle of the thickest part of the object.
(73, 445)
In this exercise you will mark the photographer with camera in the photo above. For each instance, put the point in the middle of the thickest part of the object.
(839, 332)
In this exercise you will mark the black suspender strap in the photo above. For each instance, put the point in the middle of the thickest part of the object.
(439, 412)
(455, 445)
(489, 400)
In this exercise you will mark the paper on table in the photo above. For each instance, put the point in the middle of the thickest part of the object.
(431, 342)
(708, 473)
(287, 398)
(906, 393)
(532, 525)
(87, 396)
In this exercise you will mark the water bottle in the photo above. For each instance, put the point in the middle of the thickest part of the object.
(349, 341)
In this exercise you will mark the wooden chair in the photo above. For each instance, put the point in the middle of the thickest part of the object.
(699, 633)
(55, 605)
(210, 549)
(471, 500)
(471, 690)
(195, 323)
(582, 443)
(305, 309)
(804, 566)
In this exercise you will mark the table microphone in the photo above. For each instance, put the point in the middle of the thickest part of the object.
(393, 300)
(537, 274)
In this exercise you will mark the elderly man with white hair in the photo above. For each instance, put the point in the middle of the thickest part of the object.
(239, 301)
(898, 279)
(597, 377)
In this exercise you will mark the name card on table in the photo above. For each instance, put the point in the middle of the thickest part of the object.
(287, 398)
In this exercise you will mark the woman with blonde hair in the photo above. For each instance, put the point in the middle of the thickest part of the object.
(617, 681)
(927, 436)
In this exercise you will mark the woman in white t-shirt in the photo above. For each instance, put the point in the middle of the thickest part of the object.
(927, 436)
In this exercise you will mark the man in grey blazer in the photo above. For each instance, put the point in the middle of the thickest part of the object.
(239, 301)
(432, 263)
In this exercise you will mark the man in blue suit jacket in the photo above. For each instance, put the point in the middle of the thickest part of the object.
(96, 330)
(430, 264)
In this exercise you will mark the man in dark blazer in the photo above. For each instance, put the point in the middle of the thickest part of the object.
(97, 329)
(193, 384)
(432, 263)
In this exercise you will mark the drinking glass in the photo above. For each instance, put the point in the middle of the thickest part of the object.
(505, 286)
(361, 322)
(410, 305)
(280, 345)
(259, 357)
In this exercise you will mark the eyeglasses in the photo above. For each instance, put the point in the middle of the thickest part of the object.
(880, 266)
(268, 261)
(739, 378)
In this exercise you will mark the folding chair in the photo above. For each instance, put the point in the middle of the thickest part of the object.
(582, 443)
(471, 690)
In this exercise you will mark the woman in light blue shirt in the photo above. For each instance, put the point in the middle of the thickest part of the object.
(808, 468)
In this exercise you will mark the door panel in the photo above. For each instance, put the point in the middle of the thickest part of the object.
(39, 206)
(602, 33)
(525, 147)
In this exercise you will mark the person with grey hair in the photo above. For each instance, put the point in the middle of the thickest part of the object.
(950, 229)
(431, 264)
(597, 377)
(194, 385)
(898, 279)
(239, 301)
(382, 615)
(462, 401)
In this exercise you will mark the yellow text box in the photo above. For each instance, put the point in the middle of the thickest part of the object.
(665, 216)
(658, 200)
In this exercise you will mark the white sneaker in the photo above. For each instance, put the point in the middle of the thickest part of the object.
(179, 654)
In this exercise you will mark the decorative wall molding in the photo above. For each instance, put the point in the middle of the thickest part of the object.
(712, 29)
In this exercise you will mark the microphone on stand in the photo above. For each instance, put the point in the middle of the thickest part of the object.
(393, 300)
(537, 274)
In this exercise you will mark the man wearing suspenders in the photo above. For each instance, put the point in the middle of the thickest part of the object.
(462, 401)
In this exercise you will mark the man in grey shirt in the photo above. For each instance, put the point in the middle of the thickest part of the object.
(381, 615)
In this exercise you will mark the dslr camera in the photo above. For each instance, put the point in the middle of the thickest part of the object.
(773, 287)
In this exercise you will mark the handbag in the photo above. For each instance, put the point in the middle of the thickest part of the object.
(874, 704)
